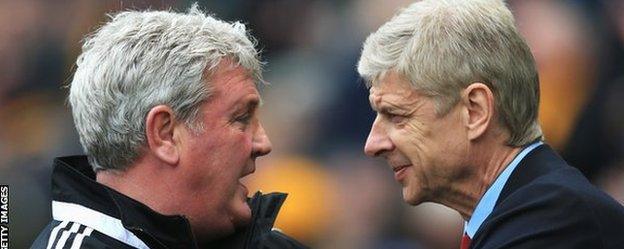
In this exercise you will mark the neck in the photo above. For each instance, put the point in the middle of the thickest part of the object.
(140, 182)
(487, 163)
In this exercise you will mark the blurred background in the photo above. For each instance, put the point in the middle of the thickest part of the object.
(316, 109)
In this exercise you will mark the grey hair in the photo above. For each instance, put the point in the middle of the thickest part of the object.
(442, 46)
(140, 59)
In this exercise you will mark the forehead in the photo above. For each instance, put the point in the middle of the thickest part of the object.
(392, 88)
(232, 84)
(231, 78)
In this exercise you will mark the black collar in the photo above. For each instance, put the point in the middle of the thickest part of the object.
(73, 181)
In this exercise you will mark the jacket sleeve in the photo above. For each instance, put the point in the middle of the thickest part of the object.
(540, 216)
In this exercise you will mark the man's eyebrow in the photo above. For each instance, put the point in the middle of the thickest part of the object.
(386, 108)
(253, 103)
(247, 104)
(383, 108)
(384, 105)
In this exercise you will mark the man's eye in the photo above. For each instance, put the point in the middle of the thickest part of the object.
(394, 118)
(244, 119)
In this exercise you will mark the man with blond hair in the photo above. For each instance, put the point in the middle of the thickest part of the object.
(456, 93)
(165, 105)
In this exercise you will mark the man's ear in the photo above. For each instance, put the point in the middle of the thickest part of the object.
(159, 129)
(479, 102)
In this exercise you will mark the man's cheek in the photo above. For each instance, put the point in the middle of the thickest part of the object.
(241, 141)
(411, 139)
(413, 132)
(404, 141)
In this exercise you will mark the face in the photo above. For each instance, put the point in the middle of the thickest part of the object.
(214, 160)
(424, 150)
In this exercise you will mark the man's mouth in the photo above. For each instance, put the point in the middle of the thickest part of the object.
(244, 188)
(399, 171)
(251, 170)
(399, 168)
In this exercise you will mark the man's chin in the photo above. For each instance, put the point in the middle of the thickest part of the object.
(241, 213)
(411, 198)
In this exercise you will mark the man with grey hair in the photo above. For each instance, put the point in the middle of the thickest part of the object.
(456, 93)
(165, 105)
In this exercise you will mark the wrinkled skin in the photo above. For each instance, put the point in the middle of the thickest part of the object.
(408, 132)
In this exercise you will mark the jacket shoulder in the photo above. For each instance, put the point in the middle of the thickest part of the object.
(42, 239)
(73, 235)
(557, 210)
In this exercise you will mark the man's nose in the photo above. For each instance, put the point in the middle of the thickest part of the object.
(261, 143)
(378, 141)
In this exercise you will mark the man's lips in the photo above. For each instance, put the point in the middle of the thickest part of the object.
(245, 189)
(399, 172)
(398, 168)
(251, 170)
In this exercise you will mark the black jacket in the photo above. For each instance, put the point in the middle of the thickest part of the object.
(548, 204)
(87, 214)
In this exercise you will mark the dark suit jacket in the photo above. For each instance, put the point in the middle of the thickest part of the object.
(548, 204)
